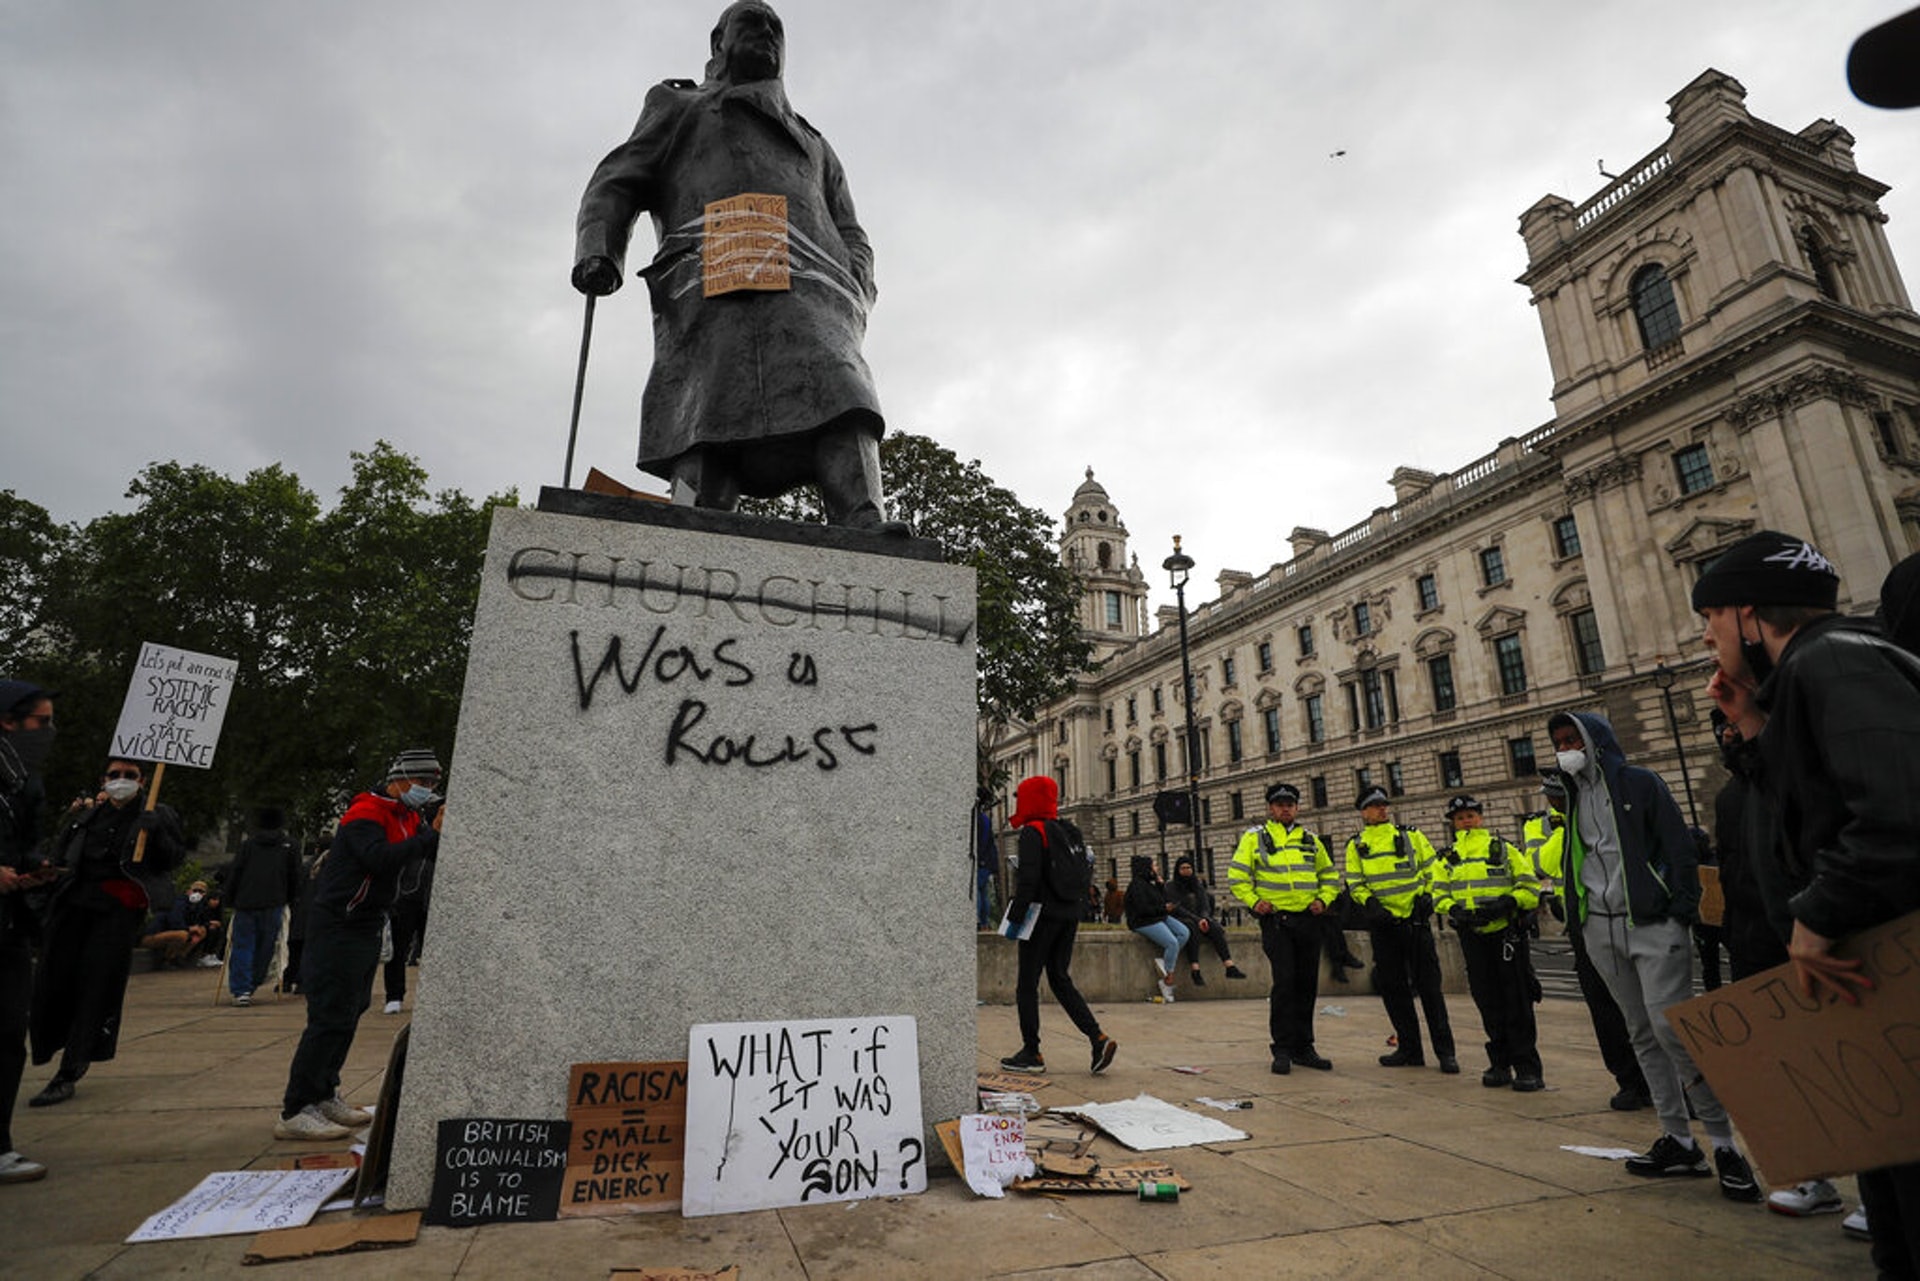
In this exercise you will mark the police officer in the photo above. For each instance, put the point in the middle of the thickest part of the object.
(1282, 872)
(1485, 884)
(1389, 871)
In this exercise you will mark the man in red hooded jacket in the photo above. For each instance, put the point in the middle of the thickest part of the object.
(381, 834)
(1054, 872)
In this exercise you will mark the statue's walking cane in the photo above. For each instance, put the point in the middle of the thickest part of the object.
(579, 387)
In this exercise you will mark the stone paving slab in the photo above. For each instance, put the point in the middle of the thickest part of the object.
(1362, 1171)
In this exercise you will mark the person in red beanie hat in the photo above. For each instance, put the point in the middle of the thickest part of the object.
(1053, 874)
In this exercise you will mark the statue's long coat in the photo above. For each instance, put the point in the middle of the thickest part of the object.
(752, 366)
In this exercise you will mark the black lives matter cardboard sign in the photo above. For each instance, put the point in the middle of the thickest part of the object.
(1818, 1088)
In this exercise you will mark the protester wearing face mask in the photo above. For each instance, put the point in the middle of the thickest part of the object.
(1634, 888)
(1832, 711)
(26, 735)
(381, 835)
(204, 917)
(110, 879)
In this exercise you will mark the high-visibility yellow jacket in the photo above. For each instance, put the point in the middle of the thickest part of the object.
(1285, 866)
(1545, 844)
(1390, 863)
(1480, 867)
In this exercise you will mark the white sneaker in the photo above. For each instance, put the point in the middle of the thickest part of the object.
(308, 1124)
(208, 962)
(341, 1112)
(1815, 1196)
(1160, 968)
(15, 1168)
(1855, 1224)
(244, 998)
(1166, 992)
(391, 1007)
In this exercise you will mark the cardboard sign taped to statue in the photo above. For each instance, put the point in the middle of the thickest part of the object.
(1818, 1087)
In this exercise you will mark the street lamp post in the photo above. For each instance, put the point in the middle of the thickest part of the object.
(1663, 677)
(1178, 566)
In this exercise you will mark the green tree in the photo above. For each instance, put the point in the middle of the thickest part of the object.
(349, 629)
(398, 576)
(29, 544)
(1029, 644)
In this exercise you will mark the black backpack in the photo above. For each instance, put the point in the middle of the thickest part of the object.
(1069, 869)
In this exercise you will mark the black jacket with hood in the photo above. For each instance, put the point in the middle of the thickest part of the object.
(1657, 852)
(1839, 776)
(1147, 896)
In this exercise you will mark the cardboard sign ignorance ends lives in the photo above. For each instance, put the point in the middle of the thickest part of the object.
(802, 1112)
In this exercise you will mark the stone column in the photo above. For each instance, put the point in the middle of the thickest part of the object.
(699, 777)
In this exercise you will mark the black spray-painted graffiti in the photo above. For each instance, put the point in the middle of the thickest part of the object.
(721, 666)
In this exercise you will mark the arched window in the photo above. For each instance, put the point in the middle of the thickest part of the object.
(1654, 308)
(1104, 554)
(1820, 261)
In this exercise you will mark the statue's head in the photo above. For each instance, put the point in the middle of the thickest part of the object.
(749, 43)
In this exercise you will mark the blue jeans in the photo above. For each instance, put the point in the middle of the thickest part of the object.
(254, 934)
(1170, 934)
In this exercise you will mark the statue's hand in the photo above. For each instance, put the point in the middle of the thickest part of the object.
(597, 276)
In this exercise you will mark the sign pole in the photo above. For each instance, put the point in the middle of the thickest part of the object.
(153, 799)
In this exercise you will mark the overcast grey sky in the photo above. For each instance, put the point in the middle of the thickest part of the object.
(1107, 233)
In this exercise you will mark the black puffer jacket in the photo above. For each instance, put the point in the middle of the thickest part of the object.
(1839, 772)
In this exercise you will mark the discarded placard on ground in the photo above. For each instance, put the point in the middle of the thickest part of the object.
(729, 1273)
(1226, 1105)
(1818, 1087)
(341, 1236)
(802, 1111)
(1068, 1167)
(497, 1170)
(243, 1201)
(1147, 1124)
(1050, 1134)
(629, 1141)
(1009, 1102)
(1191, 1070)
(993, 1151)
(1605, 1154)
(1108, 1178)
(1011, 1081)
(323, 1161)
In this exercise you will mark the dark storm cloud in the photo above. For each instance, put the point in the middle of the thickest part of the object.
(1107, 234)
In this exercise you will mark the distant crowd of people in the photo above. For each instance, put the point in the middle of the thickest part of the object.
(82, 890)
(1817, 716)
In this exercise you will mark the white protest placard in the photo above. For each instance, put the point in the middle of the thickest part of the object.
(175, 706)
(244, 1201)
(1147, 1124)
(993, 1151)
(802, 1112)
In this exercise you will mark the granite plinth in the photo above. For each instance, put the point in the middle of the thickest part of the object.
(699, 777)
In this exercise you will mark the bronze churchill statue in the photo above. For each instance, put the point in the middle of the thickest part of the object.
(760, 285)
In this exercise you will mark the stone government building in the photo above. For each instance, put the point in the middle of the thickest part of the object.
(1732, 349)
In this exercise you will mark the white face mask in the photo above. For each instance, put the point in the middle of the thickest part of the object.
(1572, 762)
(195, 897)
(120, 790)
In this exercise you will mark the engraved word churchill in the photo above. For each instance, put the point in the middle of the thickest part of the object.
(547, 575)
